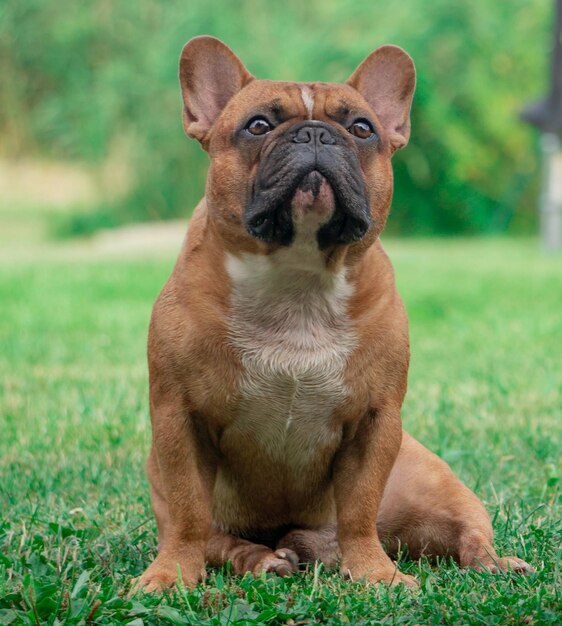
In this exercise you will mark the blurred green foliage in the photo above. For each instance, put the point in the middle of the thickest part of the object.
(83, 80)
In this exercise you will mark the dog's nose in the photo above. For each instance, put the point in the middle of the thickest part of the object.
(314, 134)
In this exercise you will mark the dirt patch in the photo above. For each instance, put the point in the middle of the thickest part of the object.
(50, 185)
(143, 238)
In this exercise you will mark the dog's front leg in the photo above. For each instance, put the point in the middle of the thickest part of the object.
(361, 470)
(182, 475)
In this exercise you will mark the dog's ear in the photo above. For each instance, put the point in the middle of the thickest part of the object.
(210, 74)
(387, 79)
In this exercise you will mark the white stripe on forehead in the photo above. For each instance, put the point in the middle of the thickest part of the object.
(308, 99)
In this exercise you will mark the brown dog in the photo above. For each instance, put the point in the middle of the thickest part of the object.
(278, 349)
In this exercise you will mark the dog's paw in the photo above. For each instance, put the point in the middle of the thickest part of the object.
(282, 562)
(393, 579)
(152, 582)
(162, 574)
(404, 579)
(506, 564)
(386, 575)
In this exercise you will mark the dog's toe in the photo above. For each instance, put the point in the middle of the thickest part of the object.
(501, 565)
(515, 564)
(288, 555)
(283, 562)
(404, 579)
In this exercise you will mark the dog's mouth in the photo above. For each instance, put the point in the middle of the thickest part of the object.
(324, 187)
(313, 201)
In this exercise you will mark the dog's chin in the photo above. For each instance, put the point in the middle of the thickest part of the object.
(314, 201)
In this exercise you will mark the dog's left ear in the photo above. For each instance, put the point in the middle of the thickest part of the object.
(387, 79)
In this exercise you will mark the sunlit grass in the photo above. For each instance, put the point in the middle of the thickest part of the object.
(485, 393)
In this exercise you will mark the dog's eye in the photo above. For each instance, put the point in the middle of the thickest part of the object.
(258, 126)
(362, 129)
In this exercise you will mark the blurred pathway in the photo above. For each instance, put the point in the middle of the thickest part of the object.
(146, 239)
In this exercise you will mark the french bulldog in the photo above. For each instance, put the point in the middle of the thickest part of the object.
(278, 349)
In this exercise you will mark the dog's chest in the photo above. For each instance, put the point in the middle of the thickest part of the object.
(293, 336)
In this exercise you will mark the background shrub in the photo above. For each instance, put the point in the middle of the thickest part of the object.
(96, 82)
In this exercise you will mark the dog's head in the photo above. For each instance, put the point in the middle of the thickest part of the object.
(290, 158)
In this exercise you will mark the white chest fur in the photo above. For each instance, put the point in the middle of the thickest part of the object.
(291, 329)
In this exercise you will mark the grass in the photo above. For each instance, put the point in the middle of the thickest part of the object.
(485, 393)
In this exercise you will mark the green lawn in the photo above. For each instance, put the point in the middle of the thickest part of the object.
(485, 393)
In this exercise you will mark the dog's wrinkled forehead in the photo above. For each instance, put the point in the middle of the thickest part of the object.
(281, 102)
(304, 100)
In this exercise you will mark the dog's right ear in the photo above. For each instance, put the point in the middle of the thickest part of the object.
(210, 74)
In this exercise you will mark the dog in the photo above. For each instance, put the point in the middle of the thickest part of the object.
(278, 349)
